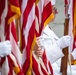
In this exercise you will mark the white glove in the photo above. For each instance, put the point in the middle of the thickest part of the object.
(5, 48)
(64, 41)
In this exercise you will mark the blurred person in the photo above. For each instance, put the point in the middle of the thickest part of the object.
(52, 44)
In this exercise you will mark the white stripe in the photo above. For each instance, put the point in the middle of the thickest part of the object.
(37, 24)
(15, 48)
(5, 67)
(23, 7)
(38, 62)
(40, 10)
(23, 56)
(14, 59)
(40, 7)
(42, 63)
(46, 2)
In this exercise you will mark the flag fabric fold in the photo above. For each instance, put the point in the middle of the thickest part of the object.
(74, 23)
(10, 34)
(28, 34)
(35, 15)
(43, 16)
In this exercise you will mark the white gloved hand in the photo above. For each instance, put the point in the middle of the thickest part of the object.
(5, 48)
(64, 41)
(44, 40)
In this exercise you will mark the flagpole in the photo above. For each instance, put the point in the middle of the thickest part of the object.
(64, 59)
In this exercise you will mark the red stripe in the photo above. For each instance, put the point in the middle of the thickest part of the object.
(45, 59)
(74, 2)
(35, 66)
(45, 14)
(20, 2)
(30, 38)
(31, 33)
(47, 62)
(66, 2)
(50, 67)
(23, 40)
(7, 29)
(27, 11)
(14, 2)
(13, 31)
(25, 17)
(28, 48)
(37, 13)
(44, 72)
(2, 6)
(11, 65)
(2, 61)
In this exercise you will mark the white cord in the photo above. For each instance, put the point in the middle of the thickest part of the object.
(70, 60)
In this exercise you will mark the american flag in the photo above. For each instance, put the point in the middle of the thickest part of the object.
(12, 61)
(28, 34)
(35, 15)
(43, 16)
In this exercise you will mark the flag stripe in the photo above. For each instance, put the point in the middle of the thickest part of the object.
(2, 6)
(27, 11)
(44, 15)
(28, 28)
(15, 10)
(74, 24)
(49, 15)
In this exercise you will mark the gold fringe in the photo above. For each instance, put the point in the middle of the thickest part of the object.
(29, 72)
(49, 19)
(15, 10)
(16, 69)
(36, 2)
(73, 62)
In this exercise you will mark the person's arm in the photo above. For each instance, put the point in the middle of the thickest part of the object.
(54, 50)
